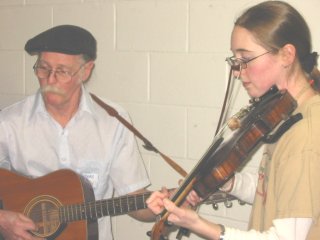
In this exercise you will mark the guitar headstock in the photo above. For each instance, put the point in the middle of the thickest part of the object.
(221, 197)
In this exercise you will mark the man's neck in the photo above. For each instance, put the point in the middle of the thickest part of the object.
(64, 113)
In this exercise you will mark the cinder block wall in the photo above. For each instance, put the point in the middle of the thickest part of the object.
(162, 60)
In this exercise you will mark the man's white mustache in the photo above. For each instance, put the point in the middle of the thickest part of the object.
(52, 89)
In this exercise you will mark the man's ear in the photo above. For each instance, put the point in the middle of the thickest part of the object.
(287, 54)
(88, 67)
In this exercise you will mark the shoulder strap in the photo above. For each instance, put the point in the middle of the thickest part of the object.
(147, 144)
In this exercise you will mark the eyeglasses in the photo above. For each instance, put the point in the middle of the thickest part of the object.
(238, 64)
(60, 75)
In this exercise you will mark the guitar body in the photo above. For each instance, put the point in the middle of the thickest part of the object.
(62, 204)
(63, 187)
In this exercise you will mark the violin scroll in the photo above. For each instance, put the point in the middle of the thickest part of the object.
(235, 121)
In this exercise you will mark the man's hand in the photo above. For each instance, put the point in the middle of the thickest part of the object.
(16, 226)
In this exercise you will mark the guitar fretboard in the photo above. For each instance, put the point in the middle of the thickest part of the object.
(101, 208)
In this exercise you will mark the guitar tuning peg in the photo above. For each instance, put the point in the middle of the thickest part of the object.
(241, 202)
(215, 206)
(168, 224)
(228, 204)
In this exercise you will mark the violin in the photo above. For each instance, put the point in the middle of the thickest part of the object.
(226, 155)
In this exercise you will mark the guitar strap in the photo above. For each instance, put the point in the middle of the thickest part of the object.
(147, 144)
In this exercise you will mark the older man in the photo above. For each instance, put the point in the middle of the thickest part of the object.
(60, 126)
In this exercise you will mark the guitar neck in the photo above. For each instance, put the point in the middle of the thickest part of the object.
(101, 208)
(219, 197)
(118, 206)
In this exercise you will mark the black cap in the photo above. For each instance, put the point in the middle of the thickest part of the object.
(67, 39)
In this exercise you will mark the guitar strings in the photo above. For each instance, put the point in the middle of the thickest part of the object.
(94, 209)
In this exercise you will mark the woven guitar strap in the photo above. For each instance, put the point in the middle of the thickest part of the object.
(147, 144)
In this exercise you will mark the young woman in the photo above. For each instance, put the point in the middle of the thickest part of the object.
(271, 45)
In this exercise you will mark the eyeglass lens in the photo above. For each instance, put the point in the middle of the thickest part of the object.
(60, 75)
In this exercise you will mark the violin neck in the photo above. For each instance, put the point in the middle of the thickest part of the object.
(192, 177)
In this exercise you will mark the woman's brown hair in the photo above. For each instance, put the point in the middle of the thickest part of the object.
(275, 24)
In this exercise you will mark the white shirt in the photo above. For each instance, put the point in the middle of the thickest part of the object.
(244, 188)
(93, 143)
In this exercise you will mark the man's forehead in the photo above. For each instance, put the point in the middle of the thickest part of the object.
(59, 59)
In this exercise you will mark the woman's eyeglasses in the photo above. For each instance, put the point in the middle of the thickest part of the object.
(238, 64)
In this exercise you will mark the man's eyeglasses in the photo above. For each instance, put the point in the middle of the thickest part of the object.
(238, 64)
(43, 72)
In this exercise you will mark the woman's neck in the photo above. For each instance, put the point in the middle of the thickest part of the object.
(299, 86)
(302, 92)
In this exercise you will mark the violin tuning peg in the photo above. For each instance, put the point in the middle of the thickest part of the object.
(234, 123)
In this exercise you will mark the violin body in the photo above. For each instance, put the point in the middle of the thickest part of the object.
(224, 157)
(262, 119)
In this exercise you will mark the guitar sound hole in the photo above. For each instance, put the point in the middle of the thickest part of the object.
(44, 211)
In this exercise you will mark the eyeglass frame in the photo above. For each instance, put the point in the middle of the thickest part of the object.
(242, 63)
(71, 75)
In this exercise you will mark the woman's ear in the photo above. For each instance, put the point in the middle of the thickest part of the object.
(287, 54)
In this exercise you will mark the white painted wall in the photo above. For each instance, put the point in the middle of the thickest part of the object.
(163, 60)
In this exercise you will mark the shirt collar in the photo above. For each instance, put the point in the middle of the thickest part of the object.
(85, 105)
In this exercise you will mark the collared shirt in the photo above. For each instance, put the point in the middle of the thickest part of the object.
(93, 143)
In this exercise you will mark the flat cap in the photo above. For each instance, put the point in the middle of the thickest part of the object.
(67, 39)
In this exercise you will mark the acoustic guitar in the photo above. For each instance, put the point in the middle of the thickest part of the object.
(62, 203)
